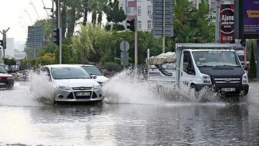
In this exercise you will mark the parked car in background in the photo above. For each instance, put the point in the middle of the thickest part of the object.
(72, 84)
(94, 71)
(6, 79)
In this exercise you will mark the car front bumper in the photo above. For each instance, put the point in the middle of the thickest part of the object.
(6, 83)
(218, 88)
(71, 95)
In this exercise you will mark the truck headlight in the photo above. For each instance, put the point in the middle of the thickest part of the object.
(64, 87)
(245, 79)
(96, 87)
(206, 79)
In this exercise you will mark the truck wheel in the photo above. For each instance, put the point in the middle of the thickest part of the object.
(193, 89)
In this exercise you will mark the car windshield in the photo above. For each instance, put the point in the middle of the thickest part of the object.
(2, 70)
(215, 58)
(69, 73)
(92, 70)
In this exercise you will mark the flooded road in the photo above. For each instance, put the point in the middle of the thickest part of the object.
(25, 120)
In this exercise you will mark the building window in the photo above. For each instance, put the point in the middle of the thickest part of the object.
(139, 24)
(139, 10)
(149, 24)
(149, 10)
(128, 10)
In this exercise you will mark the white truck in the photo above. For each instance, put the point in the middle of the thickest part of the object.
(195, 66)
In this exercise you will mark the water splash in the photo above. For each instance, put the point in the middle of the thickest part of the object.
(36, 92)
(131, 87)
(41, 88)
(127, 87)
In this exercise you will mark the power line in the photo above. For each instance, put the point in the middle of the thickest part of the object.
(31, 3)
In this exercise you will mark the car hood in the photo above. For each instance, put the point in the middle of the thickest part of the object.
(5, 75)
(76, 82)
(223, 71)
(101, 79)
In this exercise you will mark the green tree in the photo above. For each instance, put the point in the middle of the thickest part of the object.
(9, 62)
(192, 24)
(89, 40)
(48, 26)
(114, 13)
(48, 58)
(66, 55)
(48, 49)
(252, 65)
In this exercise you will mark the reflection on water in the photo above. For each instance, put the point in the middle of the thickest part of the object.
(200, 124)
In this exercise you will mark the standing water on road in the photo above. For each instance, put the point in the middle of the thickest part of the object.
(148, 118)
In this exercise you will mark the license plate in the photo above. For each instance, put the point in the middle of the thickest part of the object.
(228, 89)
(2, 83)
(83, 94)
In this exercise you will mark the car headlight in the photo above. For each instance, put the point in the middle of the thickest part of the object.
(64, 87)
(245, 79)
(97, 86)
(206, 79)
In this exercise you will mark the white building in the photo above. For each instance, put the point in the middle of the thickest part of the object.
(143, 9)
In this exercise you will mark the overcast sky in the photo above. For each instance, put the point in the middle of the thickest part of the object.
(13, 14)
(12, 10)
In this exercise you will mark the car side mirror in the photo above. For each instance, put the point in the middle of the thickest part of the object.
(93, 76)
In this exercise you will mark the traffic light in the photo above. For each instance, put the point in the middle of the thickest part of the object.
(55, 36)
(131, 24)
(1, 43)
(243, 42)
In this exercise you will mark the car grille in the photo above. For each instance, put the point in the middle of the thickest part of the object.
(82, 88)
(227, 80)
(3, 78)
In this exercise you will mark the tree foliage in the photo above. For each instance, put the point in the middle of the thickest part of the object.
(252, 65)
(91, 40)
(114, 13)
(192, 24)
(48, 26)
(9, 62)
(66, 55)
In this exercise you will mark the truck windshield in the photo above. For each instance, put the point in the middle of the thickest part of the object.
(215, 58)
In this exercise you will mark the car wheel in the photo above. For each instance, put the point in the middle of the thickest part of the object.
(10, 87)
(99, 102)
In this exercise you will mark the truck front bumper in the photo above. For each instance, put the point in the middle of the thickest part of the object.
(220, 88)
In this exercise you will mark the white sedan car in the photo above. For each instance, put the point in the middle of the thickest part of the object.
(72, 84)
(94, 71)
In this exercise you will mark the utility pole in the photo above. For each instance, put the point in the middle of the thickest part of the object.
(217, 30)
(163, 27)
(4, 40)
(60, 34)
(136, 36)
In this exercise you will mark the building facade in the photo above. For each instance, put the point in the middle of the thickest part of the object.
(142, 9)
